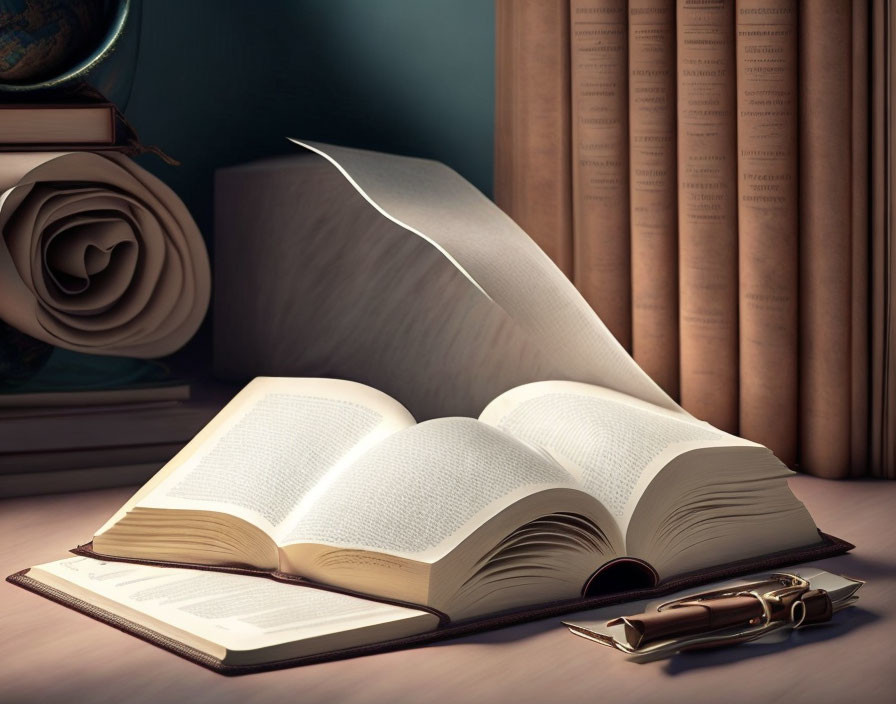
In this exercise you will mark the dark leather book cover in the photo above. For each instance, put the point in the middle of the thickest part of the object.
(621, 580)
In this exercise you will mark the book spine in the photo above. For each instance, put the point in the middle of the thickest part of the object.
(601, 244)
(825, 236)
(888, 389)
(882, 431)
(654, 189)
(861, 228)
(35, 126)
(768, 227)
(887, 351)
(532, 122)
(707, 219)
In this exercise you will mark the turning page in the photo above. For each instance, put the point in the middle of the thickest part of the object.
(397, 273)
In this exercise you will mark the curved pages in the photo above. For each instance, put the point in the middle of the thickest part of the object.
(397, 273)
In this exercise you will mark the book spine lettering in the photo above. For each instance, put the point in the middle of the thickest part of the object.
(707, 178)
(601, 244)
(532, 122)
(768, 192)
(654, 189)
(825, 236)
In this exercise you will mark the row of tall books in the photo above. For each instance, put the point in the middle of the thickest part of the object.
(89, 422)
(702, 170)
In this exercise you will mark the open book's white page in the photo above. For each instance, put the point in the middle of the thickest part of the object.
(237, 612)
(279, 443)
(614, 444)
(436, 203)
(424, 489)
(275, 454)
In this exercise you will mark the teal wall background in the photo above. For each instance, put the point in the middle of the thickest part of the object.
(219, 82)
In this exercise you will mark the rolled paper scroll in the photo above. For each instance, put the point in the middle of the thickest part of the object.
(97, 255)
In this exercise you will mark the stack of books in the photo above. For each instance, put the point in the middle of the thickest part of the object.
(87, 422)
(66, 124)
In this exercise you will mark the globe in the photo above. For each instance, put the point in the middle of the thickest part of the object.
(40, 39)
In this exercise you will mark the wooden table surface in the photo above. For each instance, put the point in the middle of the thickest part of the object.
(51, 654)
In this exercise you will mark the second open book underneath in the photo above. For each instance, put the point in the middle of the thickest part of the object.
(334, 481)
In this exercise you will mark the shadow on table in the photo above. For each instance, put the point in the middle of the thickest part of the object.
(846, 621)
(859, 566)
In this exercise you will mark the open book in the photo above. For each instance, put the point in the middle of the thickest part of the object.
(496, 449)
(228, 622)
(334, 482)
